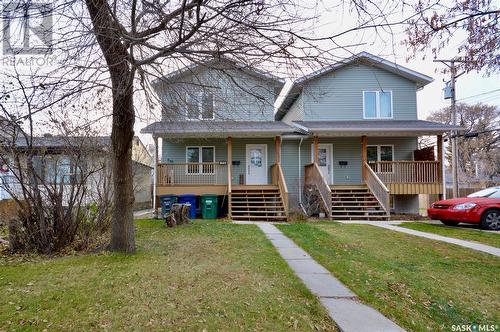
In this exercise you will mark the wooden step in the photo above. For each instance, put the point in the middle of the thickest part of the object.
(359, 211)
(258, 217)
(256, 212)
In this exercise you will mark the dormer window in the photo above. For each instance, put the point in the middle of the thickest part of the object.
(200, 106)
(377, 104)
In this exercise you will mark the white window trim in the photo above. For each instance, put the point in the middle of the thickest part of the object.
(377, 105)
(200, 158)
(378, 146)
(199, 98)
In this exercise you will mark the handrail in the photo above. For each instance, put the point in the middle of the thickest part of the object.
(173, 174)
(314, 177)
(279, 179)
(407, 171)
(378, 188)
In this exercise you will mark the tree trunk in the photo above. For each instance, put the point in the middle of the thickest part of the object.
(122, 220)
(122, 81)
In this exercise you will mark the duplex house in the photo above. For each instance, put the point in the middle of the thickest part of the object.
(345, 136)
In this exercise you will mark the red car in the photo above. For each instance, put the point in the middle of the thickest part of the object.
(482, 207)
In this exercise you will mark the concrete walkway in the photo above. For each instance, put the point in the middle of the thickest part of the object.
(342, 304)
(392, 225)
(467, 244)
(147, 213)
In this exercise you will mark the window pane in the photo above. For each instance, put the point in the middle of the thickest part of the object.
(50, 170)
(385, 104)
(193, 111)
(372, 153)
(322, 157)
(496, 194)
(64, 170)
(193, 156)
(370, 104)
(386, 153)
(208, 155)
(208, 107)
(256, 157)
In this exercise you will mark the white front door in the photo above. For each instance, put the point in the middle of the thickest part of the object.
(256, 164)
(325, 160)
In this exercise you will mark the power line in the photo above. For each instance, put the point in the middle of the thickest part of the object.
(479, 94)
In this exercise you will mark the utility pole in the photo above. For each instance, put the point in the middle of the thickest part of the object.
(453, 136)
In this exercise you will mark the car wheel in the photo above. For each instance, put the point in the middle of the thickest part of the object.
(491, 220)
(449, 222)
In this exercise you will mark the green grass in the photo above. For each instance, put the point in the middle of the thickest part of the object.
(420, 284)
(203, 276)
(477, 235)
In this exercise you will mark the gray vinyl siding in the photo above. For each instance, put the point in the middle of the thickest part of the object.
(344, 149)
(174, 151)
(238, 95)
(296, 111)
(290, 166)
(339, 95)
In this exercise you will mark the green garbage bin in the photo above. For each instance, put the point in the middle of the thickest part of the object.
(209, 206)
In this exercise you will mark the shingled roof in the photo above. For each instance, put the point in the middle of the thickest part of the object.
(218, 128)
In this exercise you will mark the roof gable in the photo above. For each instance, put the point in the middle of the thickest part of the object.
(221, 64)
(365, 58)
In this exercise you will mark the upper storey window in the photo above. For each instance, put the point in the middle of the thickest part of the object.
(377, 104)
(200, 106)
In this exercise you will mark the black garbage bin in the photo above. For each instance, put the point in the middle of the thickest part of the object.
(166, 202)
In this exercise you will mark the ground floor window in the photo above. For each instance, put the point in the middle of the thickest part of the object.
(200, 154)
(380, 153)
(58, 169)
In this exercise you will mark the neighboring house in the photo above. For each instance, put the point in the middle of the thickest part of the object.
(346, 134)
(54, 161)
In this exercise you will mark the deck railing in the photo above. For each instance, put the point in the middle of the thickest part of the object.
(279, 179)
(407, 171)
(314, 177)
(192, 174)
(378, 188)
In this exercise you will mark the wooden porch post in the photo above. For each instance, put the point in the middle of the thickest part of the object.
(277, 149)
(229, 173)
(316, 151)
(364, 155)
(155, 178)
(441, 163)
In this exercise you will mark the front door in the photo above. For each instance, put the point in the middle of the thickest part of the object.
(325, 160)
(256, 164)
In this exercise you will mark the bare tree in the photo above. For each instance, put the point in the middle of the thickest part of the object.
(480, 146)
(471, 25)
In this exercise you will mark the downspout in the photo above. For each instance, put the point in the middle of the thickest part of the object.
(300, 179)
(155, 177)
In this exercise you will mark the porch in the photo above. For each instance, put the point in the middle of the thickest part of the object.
(380, 180)
(246, 172)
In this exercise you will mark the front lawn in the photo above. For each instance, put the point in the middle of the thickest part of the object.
(477, 235)
(206, 276)
(419, 283)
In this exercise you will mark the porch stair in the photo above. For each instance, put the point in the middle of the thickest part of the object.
(257, 203)
(355, 203)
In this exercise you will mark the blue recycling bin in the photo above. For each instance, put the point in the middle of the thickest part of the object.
(189, 199)
(166, 202)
